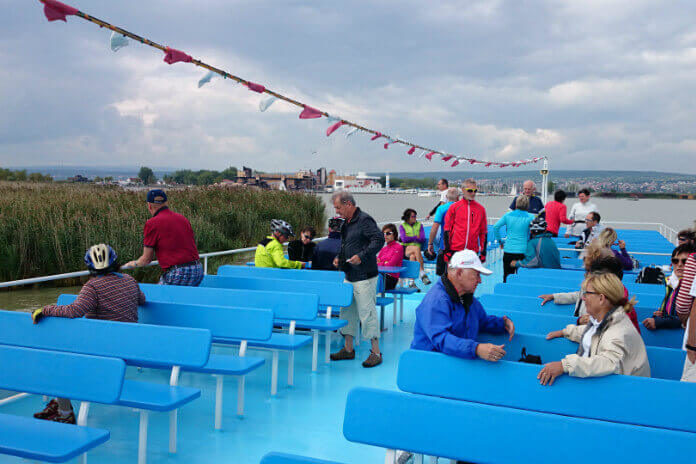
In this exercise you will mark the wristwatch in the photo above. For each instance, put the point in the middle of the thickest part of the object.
(690, 347)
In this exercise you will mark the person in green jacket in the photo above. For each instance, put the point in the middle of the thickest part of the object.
(270, 251)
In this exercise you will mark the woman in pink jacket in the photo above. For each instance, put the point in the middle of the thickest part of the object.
(392, 255)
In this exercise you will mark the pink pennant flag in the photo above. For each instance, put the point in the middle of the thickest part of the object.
(456, 162)
(55, 10)
(333, 128)
(376, 136)
(473, 161)
(256, 87)
(411, 151)
(429, 156)
(447, 158)
(173, 55)
(488, 165)
(310, 113)
(386, 145)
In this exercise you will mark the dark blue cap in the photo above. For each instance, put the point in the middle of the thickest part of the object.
(156, 196)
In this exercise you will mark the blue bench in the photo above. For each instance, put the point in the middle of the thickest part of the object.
(477, 432)
(282, 458)
(138, 344)
(90, 379)
(574, 280)
(411, 273)
(552, 274)
(331, 294)
(665, 363)
(247, 324)
(229, 270)
(286, 307)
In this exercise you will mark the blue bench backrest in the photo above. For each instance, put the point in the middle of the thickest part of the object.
(139, 343)
(614, 398)
(645, 300)
(334, 294)
(293, 306)
(283, 458)
(229, 270)
(66, 375)
(573, 280)
(223, 321)
(477, 432)
(665, 363)
(549, 274)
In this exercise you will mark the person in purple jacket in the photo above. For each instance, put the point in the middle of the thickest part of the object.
(449, 318)
(412, 236)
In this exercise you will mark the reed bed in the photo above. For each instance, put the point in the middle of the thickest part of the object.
(46, 228)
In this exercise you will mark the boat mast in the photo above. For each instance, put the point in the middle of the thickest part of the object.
(545, 181)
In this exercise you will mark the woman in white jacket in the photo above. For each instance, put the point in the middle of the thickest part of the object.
(609, 343)
(578, 212)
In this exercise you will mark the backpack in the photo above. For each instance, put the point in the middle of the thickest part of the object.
(651, 275)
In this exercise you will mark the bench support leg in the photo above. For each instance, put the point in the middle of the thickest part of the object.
(240, 395)
(327, 347)
(142, 438)
(401, 307)
(394, 309)
(433, 459)
(291, 368)
(315, 349)
(274, 373)
(173, 425)
(390, 457)
(417, 459)
(219, 381)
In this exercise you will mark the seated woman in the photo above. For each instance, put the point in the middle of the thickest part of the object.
(607, 344)
(413, 239)
(302, 249)
(542, 251)
(666, 317)
(391, 255)
(107, 295)
(605, 240)
(516, 223)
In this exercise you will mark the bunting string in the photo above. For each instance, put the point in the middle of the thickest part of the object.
(55, 10)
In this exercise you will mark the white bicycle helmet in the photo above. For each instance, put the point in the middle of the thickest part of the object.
(100, 257)
(282, 227)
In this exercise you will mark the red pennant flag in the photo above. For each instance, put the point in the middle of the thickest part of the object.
(55, 10)
(456, 162)
(386, 145)
(488, 165)
(429, 156)
(411, 151)
(310, 113)
(376, 136)
(256, 87)
(333, 128)
(473, 161)
(447, 158)
(173, 55)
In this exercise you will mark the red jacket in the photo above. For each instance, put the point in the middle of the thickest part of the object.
(467, 226)
(555, 215)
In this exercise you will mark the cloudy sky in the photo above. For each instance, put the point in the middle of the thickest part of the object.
(599, 84)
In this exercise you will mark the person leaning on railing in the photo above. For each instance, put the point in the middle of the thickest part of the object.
(269, 252)
(607, 344)
(302, 249)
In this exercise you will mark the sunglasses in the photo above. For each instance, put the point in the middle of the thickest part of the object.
(389, 233)
(589, 293)
(679, 261)
(470, 190)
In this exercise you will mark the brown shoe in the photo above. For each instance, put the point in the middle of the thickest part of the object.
(69, 419)
(373, 360)
(342, 354)
(49, 411)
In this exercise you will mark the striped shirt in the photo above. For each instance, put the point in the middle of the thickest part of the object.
(684, 299)
(111, 297)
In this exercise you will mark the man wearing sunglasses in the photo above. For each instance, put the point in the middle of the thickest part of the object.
(466, 226)
(535, 203)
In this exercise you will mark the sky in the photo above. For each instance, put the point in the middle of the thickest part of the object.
(592, 84)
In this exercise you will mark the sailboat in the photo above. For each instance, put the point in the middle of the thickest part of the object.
(513, 191)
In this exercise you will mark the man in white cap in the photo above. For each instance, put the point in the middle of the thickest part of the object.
(449, 318)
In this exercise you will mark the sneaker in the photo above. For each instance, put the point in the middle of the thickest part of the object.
(373, 360)
(342, 354)
(403, 457)
(69, 419)
(425, 279)
(49, 411)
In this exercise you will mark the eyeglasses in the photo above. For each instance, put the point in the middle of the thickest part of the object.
(679, 261)
(683, 239)
(470, 190)
(589, 220)
(584, 293)
(389, 233)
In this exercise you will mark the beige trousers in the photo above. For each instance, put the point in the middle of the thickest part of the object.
(362, 310)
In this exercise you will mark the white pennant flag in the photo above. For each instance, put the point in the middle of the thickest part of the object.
(118, 41)
(205, 79)
(266, 103)
(351, 132)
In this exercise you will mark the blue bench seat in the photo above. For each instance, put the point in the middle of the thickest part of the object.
(278, 341)
(229, 365)
(283, 458)
(155, 396)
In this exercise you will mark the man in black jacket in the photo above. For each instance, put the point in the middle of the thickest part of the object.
(361, 240)
(326, 250)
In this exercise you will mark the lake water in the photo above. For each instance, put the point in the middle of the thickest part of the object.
(677, 214)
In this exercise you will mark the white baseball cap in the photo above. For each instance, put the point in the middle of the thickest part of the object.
(467, 259)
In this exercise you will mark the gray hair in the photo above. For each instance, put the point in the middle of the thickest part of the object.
(522, 203)
(452, 194)
(344, 197)
(468, 181)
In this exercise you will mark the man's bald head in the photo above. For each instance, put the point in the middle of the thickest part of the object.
(529, 188)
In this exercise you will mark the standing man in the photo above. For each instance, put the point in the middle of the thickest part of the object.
(535, 203)
(466, 226)
(361, 240)
(169, 236)
(270, 253)
(442, 186)
(439, 220)
(578, 213)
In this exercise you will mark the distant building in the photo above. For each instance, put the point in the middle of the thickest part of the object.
(78, 178)
(358, 183)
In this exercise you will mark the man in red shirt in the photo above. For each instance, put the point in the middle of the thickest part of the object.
(556, 213)
(169, 236)
(466, 226)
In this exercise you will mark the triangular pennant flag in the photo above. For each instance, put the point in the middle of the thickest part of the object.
(118, 41)
(332, 119)
(376, 136)
(429, 156)
(333, 128)
(172, 55)
(488, 165)
(55, 10)
(386, 145)
(266, 103)
(456, 162)
(205, 79)
(255, 87)
(447, 158)
(351, 132)
(310, 113)
(411, 150)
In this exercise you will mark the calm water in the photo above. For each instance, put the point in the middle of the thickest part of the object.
(677, 214)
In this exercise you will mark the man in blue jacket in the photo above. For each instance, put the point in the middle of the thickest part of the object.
(449, 318)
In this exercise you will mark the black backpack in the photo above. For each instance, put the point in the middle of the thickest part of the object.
(651, 275)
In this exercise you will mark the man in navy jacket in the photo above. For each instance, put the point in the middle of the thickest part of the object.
(449, 318)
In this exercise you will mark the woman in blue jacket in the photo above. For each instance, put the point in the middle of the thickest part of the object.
(516, 223)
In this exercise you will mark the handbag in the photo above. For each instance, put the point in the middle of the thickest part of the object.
(529, 358)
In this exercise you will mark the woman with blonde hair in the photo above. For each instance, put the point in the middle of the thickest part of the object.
(601, 246)
(608, 343)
